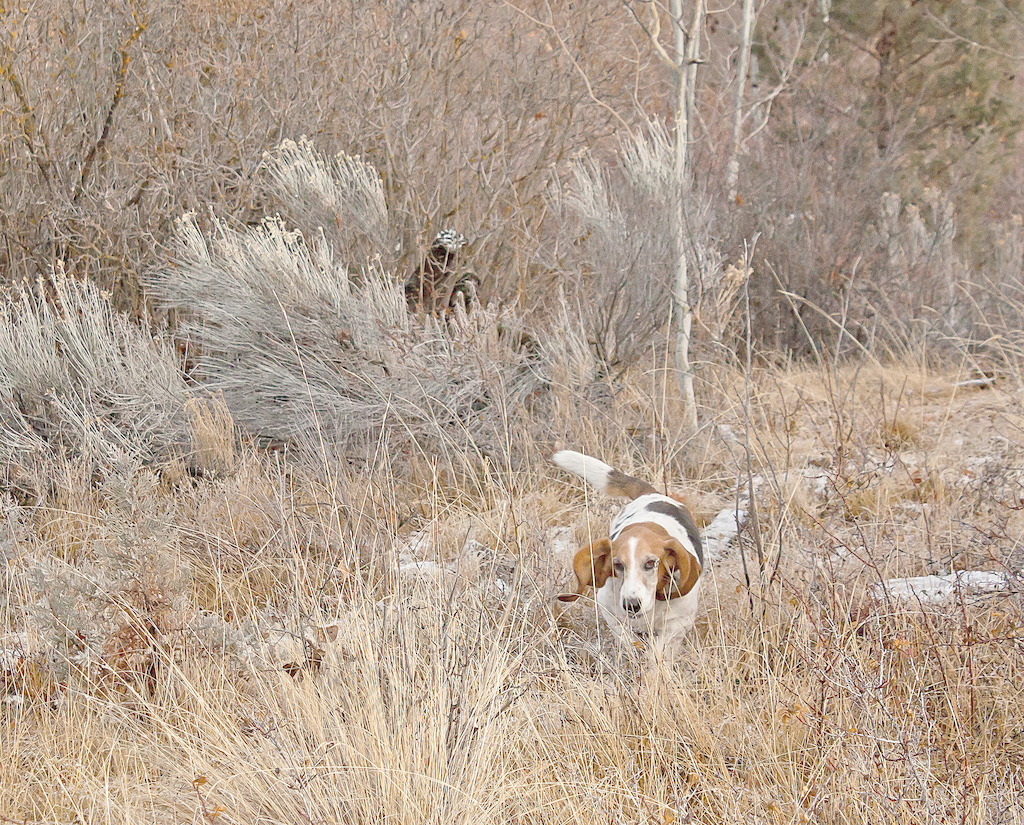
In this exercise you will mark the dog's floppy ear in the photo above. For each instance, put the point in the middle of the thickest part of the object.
(679, 572)
(592, 565)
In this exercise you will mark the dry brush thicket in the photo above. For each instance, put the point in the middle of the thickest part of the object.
(288, 552)
(118, 117)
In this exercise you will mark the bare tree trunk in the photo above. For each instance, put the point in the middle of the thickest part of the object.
(686, 53)
(746, 33)
(690, 64)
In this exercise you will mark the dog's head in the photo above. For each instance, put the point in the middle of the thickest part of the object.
(647, 563)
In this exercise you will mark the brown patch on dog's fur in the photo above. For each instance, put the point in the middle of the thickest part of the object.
(624, 486)
(592, 565)
(677, 558)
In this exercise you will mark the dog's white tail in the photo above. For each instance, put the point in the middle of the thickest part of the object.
(595, 473)
(600, 475)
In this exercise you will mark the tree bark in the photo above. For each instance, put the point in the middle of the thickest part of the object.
(686, 49)
(743, 61)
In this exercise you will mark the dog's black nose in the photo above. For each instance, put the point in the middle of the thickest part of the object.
(631, 606)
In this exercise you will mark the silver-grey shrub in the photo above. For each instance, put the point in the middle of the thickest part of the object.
(618, 223)
(340, 194)
(305, 350)
(83, 383)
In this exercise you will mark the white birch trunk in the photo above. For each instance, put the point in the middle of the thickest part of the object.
(686, 51)
(690, 65)
(743, 61)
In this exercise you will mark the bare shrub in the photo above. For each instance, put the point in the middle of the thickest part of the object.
(842, 267)
(998, 296)
(920, 272)
(82, 383)
(812, 197)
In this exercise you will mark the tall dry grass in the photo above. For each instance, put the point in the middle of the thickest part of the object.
(249, 646)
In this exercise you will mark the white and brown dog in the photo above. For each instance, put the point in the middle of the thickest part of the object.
(647, 572)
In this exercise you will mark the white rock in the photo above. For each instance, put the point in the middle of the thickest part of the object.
(817, 480)
(722, 530)
(937, 589)
(728, 433)
(419, 543)
(562, 541)
(417, 567)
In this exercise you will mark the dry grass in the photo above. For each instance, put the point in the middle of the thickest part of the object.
(243, 646)
(355, 624)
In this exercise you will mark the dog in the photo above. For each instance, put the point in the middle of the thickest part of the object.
(647, 571)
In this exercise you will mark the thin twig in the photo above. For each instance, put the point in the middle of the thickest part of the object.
(579, 69)
(108, 122)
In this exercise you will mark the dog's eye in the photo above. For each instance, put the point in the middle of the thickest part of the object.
(651, 564)
(618, 566)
